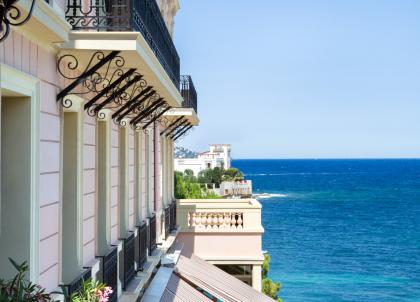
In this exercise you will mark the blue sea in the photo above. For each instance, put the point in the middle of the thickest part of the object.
(341, 230)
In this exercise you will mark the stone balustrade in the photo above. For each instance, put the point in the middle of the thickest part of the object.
(219, 215)
(212, 220)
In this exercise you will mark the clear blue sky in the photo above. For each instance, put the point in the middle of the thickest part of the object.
(304, 78)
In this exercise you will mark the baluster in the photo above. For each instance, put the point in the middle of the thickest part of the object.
(221, 221)
(203, 220)
(233, 223)
(227, 220)
(240, 221)
(198, 220)
(209, 220)
(215, 221)
(193, 219)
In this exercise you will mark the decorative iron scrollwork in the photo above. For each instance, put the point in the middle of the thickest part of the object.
(183, 133)
(171, 129)
(108, 85)
(10, 14)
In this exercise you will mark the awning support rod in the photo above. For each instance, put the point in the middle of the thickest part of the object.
(179, 131)
(156, 117)
(176, 128)
(109, 88)
(118, 93)
(178, 136)
(148, 110)
(120, 114)
(172, 124)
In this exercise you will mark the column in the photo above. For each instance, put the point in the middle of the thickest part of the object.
(256, 277)
(123, 183)
(104, 183)
(139, 176)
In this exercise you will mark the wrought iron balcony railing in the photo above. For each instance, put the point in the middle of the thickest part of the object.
(129, 271)
(76, 285)
(110, 271)
(152, 234)
(128, 15)
(172, 208)
(167, 221)
(188, 92)
(142, 245)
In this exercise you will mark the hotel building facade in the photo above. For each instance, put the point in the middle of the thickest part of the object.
(92, 102)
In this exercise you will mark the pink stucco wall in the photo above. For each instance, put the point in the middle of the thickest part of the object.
(214, 245)
(26, 56)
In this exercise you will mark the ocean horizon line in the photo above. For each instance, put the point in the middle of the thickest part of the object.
(333, 158)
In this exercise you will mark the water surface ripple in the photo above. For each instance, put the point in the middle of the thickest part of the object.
(341, 230)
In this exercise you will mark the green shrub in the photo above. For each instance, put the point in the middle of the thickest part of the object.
(269, 287)
(187, 187)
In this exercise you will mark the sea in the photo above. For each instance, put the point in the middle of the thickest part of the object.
(340, 230)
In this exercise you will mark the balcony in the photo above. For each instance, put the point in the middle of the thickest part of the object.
(128, 15)
(188, 93)
(218, 229)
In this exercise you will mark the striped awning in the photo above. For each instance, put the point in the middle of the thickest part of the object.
(219, 284)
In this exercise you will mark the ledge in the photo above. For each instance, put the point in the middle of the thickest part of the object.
(46, 24)
(232, 232)
(188, 114)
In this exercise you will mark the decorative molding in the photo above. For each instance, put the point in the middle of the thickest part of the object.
(11, 15)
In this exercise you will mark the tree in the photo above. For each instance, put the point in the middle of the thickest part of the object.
(189, 172)
(269, 287)
(187, 187)
(232, 174)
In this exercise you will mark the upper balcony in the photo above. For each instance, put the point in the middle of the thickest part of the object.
(188, 93)
(141, 16)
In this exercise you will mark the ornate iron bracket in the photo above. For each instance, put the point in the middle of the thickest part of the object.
(182, 133)
(10, 15)
(156, 117)
(176, 128)
(180, 129)
(90, 78)
(160, 102)
(171, 125)
(109, 86)
(133, 103)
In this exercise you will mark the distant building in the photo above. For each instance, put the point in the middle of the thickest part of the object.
(217, 156)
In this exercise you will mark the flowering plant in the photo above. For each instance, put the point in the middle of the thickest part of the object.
(21, 290)
(92, 291)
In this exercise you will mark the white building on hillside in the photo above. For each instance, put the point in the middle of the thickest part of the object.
(217, 156)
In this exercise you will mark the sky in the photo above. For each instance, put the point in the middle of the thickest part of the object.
(303, 78)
